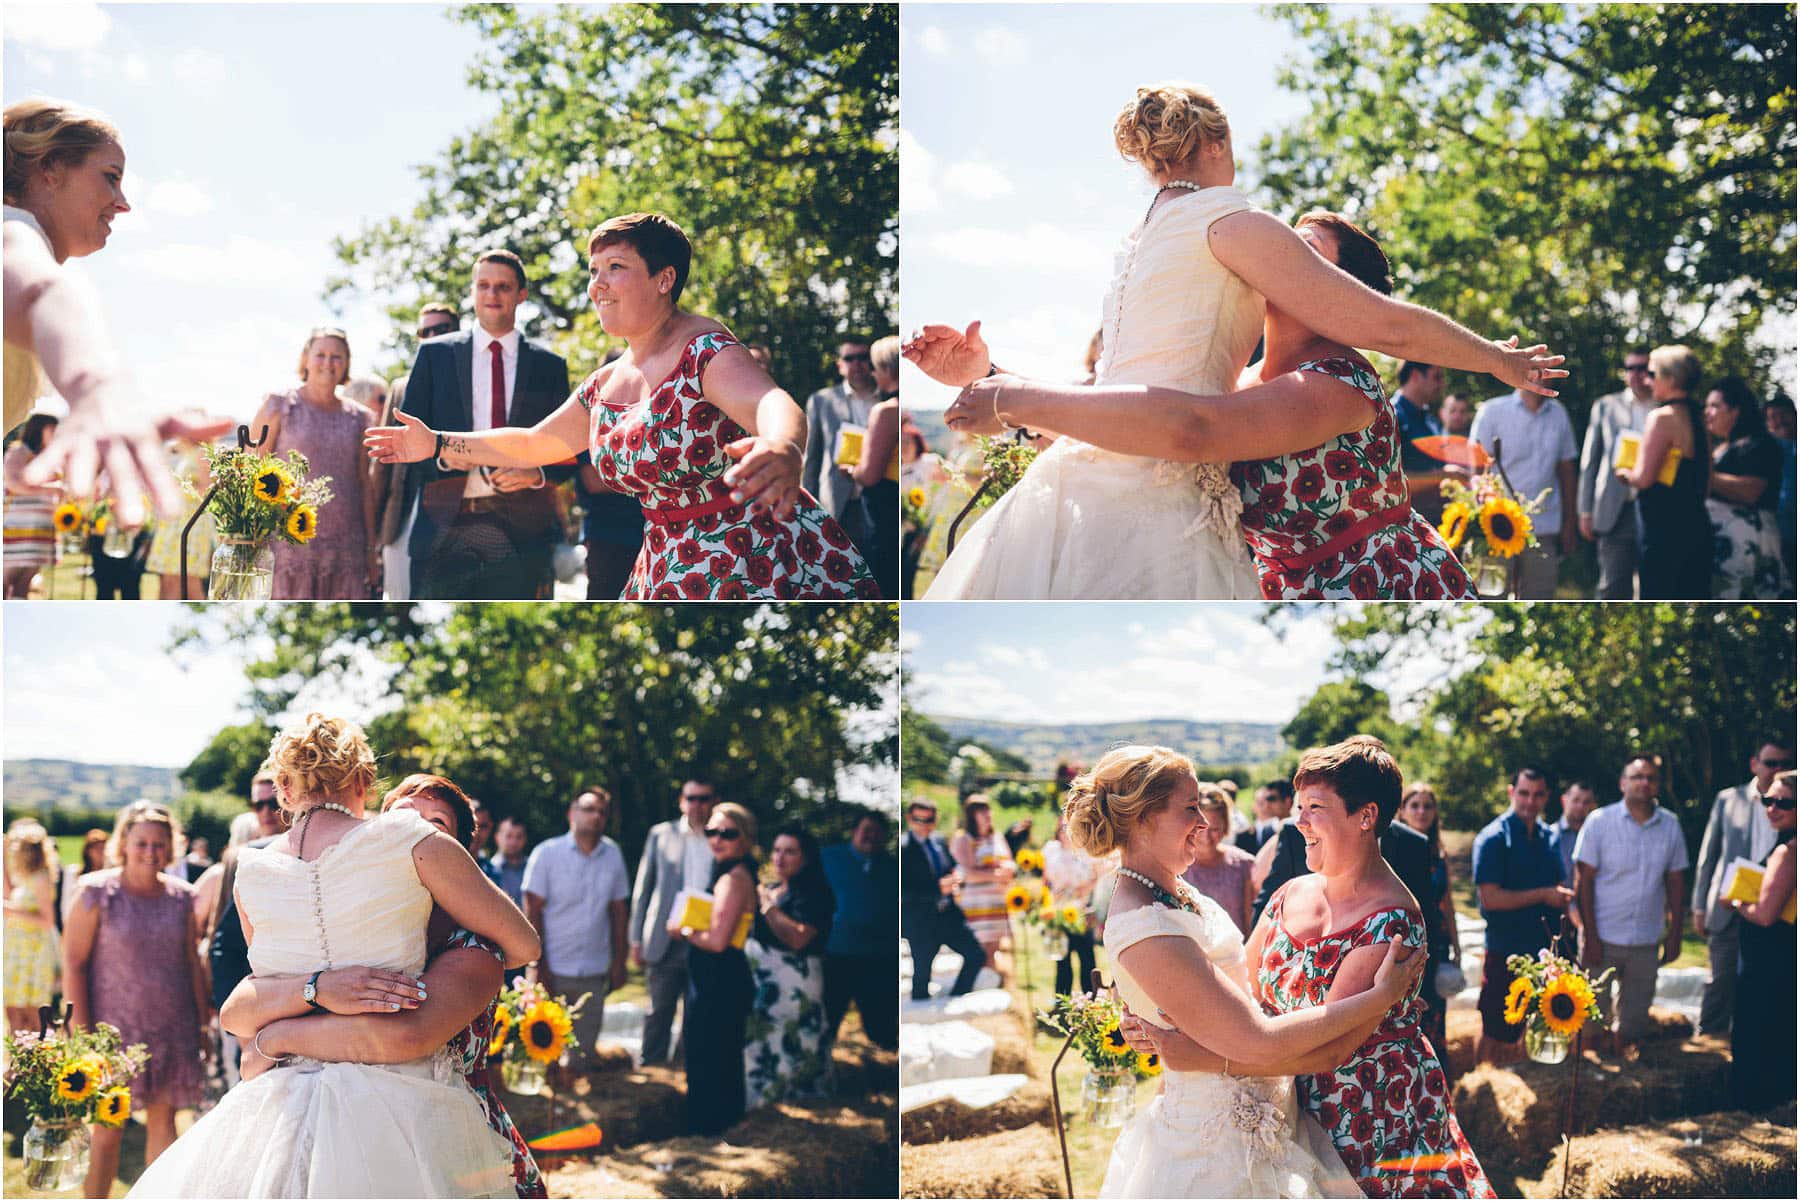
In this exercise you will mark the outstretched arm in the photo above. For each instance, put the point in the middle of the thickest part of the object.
(1269, 256)
(558, 437)
(459, 984)
(1293, 412)
(769, 462)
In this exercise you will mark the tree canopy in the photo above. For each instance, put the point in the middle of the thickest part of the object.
(768, 132)
(1598, 177)
(525, 704)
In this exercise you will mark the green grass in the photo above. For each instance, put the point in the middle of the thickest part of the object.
(68, 581)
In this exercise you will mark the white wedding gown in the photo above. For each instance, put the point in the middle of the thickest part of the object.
(1209, 1135)
(311, 1130)
(1088, 524)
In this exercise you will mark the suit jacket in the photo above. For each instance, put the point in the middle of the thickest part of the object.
(662, 870)
(828, 411)
(440, 393)
(921, 902)
(1251, 840)
(1597, 490)
(1407, 852)
(1732, 831)
(229, 951)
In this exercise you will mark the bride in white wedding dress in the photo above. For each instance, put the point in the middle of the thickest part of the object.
(337, 891)
(1177, 956)
(1184, 310)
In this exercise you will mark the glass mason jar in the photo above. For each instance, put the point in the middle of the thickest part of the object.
(241, 571)
(523, 1077)
(56, 1154)
(1109, 1096)
(1056, 944)
(1545, 1046)
(1491, 576)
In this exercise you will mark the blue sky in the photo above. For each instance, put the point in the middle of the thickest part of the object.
(1012, 197)
(253, 134)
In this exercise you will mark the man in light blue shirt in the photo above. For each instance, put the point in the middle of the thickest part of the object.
(1537, 450)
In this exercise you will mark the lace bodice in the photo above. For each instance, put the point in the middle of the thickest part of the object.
(359, 903)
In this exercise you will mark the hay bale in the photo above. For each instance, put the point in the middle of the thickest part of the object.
(1725, 1155)
(858, 1067)
(646, 1103)
(1514, 1115)
(948, 1118)
(1463, 1027)
(776, 1151)
(1023, 1163)
(1011, 1034)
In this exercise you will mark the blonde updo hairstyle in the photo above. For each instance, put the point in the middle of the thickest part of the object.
(134, 815)
(43, 133)
(1129, 784)
(322, 758)
(28, 848)
(1167, 124)
(1678, 362)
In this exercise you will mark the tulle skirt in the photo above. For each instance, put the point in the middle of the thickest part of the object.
(339, 1131)
(1086, 524)
(1207, 1135)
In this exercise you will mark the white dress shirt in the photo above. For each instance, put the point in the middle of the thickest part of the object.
(481, 388)
(696, 859)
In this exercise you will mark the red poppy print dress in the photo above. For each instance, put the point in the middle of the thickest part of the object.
(1334, 522)
(1386, 1108)
(668, 451)
(468, 1050)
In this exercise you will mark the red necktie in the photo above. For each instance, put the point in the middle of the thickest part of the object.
(499, 412)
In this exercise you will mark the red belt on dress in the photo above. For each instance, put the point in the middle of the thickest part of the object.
(669, 515)
(1361, 528)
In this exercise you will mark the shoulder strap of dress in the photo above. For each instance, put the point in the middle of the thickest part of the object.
(1135, 926)
(1352, 370)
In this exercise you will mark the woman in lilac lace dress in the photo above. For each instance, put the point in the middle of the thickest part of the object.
(130, 958)
(342, 562)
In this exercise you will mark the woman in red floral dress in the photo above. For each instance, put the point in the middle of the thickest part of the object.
(664, 422)
(1386, 1106)
(1317, 450)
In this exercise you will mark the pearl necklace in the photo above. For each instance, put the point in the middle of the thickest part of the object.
(1163, 896)
(1131, 259)
(301, 823)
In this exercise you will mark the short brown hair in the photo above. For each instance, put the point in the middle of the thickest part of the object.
(604, 796)
(499, 255)
(1357, 251)
(1360, 771)
(426, 784)
(658, 241)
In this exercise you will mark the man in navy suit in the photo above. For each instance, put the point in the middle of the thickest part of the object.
(1274, 802)
(485, 535)
(929, 915)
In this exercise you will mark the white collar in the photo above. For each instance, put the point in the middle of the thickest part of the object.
(509, 341)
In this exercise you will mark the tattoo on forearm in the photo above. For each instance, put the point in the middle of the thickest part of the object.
(458, 446)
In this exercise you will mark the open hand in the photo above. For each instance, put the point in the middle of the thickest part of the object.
(369, 991)
(514, 479)
(948, 355)
(97, 437)
(766, 474)
(409, 442)
(1531, 368)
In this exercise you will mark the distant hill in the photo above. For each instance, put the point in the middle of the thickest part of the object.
(40, 784)
(931, 425)
(1044, 746)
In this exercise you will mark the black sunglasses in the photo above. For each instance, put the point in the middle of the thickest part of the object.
(923, 819)
(1777, 765)
(859, 357)
(434, 331)
(270, 804)
(724, 833)
(706, 797)
(1637, 367)
(1780, 803)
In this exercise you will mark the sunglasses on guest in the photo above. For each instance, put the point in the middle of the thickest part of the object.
(923, 819)
(434, 331)
(1779, 764)
(1780, 803)
(724, 834)
(858, 357)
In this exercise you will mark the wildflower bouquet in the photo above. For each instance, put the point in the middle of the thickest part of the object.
(80, 1076)
(75, 523)
(1004, 459)
(1484, 517)
(1029, 860)
(532, 1026)
(262, 496)
(1093, 1025)
(1023, 899)
(914, 511)
(1065, 917)
(1554, 998)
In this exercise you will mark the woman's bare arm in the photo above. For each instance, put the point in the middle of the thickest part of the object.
(1659, 436)
(1777, 888)
(474, 902)
(1739, 490)
(560, 436)
(769, 463)
(878, 447)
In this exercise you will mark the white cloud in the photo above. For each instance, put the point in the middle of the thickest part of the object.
(238, 262)
(910, 640)
(180, 197)
(1000, 47)
(1039, 245)
(135, 67)
(68, 26)
(932, 41)
(977, 181)
(201, 70)
(1017, 657)
(961, 692)
(917, 192)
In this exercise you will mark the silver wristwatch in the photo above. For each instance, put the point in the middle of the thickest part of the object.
(309, 992)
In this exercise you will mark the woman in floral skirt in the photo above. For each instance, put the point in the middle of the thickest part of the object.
(785, 1054)
(1386, 1106)
(664, 422)
(1324, 503)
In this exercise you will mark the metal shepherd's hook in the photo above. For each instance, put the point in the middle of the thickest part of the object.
(1098, 984)
(244, 444)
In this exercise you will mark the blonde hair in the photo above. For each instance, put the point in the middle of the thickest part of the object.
(329, 757)
(1679, 362)
(134, 815)
(1215, 797)
(740, 817)
(28, 848)
(1167, 124)
(884, 355)
(1105, 805)
(313, 336)
(42, 133)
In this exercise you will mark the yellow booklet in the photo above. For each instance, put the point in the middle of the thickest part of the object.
(1743, 882)
(850, 448)
(695, 910)
(1629, 447)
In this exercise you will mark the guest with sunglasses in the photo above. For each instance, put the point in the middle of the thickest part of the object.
(719, 990)
(1762, 1031)
(849, 402)
(1737, 829)
(929, 915)
(1605, 508)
